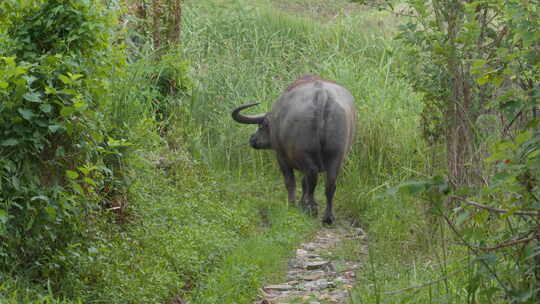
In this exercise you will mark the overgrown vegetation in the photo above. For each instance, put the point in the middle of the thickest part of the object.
(59, 157)
(100, 200)
(123, 179)
(476, 64)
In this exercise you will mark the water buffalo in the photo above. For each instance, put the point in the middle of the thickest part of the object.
(311, 127)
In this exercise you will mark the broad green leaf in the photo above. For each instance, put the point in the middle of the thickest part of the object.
(3, 84)
(523, 137)
(50, 211)
(69, 91)
(79, 105)
(67, 111)
(511, 106)
(533, 123)
(40, 197)
(483, 80)
(45, 108)
(84, 170)
(89, 181)
(478, 64)
(98, 137)
(77, 188)
(498, 81)
(3, 216)
(489, 258)
(413, 187)
(56, 128)
(50, 90)
(115, 143)
(74, 77)
(72, 174)
(20, 71)
(503, 177)
(505, 146)
(64, 79)
(496, 157)
(10, 142)
(26, 113)
(462, 217)
(533, 154)
(10, 61)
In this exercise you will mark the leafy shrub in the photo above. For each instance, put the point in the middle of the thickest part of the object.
(172, 83)
(54, 140)
(495, 45)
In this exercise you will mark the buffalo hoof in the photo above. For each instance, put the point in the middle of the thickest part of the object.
(328, 219)
(310, 208)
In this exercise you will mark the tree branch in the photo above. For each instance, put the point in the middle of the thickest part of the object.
(494, 209)
(510, 243)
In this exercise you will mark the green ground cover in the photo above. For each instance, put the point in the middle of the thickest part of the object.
(212, 225)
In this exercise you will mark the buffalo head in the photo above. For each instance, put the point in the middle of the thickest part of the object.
(261, 138)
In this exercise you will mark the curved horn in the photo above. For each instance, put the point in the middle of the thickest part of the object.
(247, 119)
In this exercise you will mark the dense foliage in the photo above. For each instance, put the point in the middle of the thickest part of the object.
(99, 201)
(122, 178)
(57, 151)
(478, 66)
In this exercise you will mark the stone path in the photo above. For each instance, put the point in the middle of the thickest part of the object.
(318, 273)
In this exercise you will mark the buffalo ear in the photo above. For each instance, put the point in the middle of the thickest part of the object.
(247, 119)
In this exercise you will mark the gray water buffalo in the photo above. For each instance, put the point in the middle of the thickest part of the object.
(311, 127)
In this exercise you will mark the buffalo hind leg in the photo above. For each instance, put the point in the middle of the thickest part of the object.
(309, 182)
(330, 189)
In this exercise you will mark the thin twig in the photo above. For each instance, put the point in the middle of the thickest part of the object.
(510, 243)
(423, 284)
(494, 209)
(518, 115)
(390, 10)
(475, 250)
(502, 245)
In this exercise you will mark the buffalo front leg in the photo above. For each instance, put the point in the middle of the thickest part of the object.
(290, 182)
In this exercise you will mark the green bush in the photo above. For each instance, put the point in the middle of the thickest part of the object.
(54, 141)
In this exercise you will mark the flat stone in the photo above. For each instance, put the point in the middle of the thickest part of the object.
(278, 287)
(350, 275)
(312, 277)
(316, 265)
(317, 285)
(310, 246)
(295, 263)
(301, 252)
(341, 280)
(359, 231)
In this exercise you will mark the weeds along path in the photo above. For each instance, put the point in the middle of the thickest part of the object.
(250, 50)
(323, 269)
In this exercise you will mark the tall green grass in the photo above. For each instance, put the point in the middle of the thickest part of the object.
(250, 51)
(213, 225)
(246, 53)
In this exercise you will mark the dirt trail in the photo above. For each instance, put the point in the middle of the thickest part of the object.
(323, 270)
